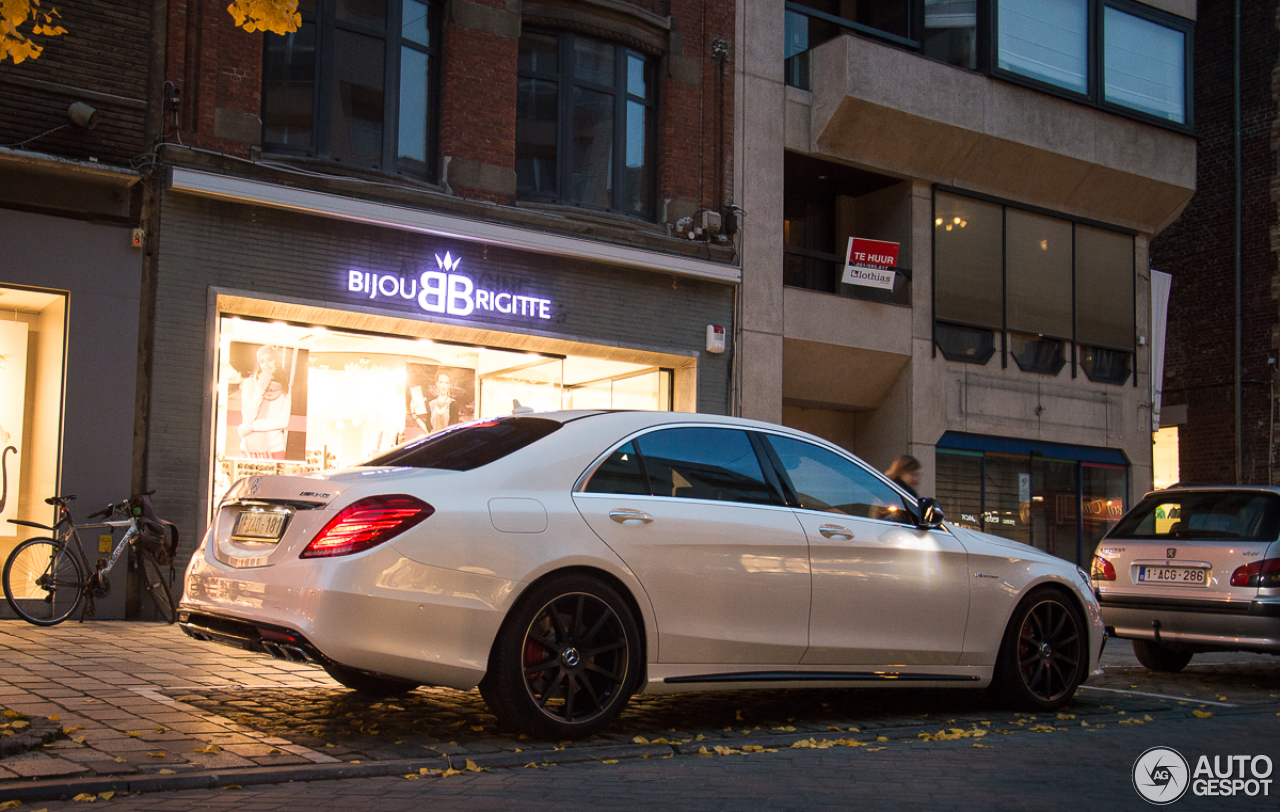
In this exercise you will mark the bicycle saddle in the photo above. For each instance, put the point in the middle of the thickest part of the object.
(57, 500)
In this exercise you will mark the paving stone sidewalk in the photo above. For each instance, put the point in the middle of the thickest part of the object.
(145, 704)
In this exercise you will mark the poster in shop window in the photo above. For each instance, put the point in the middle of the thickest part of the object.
(13, 396)
(436, 397)
(266, 403)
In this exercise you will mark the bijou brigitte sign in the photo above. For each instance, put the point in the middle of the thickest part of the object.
(871, 263)
(446, 291)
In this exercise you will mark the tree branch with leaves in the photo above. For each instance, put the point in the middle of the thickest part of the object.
(15, 43)
(21, 20)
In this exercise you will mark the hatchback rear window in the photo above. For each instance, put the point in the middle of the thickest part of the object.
(1205, 516)
(470, 445)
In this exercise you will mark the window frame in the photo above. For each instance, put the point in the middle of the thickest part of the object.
(324, 18)
(566, 82)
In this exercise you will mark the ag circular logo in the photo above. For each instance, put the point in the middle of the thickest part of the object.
(1161, 775)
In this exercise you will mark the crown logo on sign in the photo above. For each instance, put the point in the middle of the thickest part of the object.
(448, 264)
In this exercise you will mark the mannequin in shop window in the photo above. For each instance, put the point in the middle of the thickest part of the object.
(265, 405)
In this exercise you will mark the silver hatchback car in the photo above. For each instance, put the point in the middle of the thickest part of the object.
(1193, 569)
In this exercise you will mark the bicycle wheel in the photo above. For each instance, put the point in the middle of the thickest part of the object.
(43, 581)
(157, 587)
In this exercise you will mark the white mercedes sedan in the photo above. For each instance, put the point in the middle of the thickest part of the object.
(565, 561)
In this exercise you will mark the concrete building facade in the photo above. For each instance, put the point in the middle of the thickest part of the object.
(1021, 156)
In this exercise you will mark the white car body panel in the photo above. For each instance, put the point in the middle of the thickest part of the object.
(427, 605)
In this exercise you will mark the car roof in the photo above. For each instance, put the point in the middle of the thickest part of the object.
(1205, 488)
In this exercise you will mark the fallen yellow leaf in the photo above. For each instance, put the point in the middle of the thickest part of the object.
(450, 771)
(640, 740)
(10, 805)
(273, 751)
(53, 718)
(610, 761)
(119, 760)
(167, 771)
(882, 739)
(85, 798)
(163, 729)
(413, 776)
(108, 795)
(133, 734)
(1199, 714)
(232, 786)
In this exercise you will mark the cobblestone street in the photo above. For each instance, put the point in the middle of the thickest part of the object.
(145, 709)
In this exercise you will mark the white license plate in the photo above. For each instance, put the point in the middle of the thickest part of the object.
(1183, 576)
(267, 525)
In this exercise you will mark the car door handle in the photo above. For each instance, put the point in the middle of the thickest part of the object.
(629, 516)
(835, 531)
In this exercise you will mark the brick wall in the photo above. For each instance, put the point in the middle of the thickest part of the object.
(215, 66)
(105, 51)
(1199, 251)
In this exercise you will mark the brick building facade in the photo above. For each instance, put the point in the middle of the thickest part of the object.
(1199, 250)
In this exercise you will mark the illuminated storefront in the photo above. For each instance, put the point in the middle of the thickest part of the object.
(293, 340)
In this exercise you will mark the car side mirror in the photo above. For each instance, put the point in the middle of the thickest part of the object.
(930, 513)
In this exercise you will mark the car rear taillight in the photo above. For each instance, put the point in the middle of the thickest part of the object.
(367, 523)
(1102, 569)
(1262, 574)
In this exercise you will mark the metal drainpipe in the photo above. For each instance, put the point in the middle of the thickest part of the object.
(1239, 250)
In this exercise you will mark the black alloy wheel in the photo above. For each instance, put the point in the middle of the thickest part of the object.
(566, 661)
(1044, 654)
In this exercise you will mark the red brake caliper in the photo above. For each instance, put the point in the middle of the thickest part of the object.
(534, 653)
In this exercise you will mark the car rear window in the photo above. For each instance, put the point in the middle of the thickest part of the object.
(1205, 516)
(470, 445)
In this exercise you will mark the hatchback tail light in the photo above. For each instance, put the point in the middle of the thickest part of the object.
(1102, 569)
(1262, 574)
(367, 523)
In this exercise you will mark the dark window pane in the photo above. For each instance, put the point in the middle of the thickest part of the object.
(960, 487)
(592, 148)
(890, 16)
(968, 251)
(1038, 273)
(1145, 65)
(1007, 492)
(1054, 507)
(1102, 365)
(414, 84)
(951, 32)
(539, 53)
(357, 106)
(1036, 354)
(621, 473)
(637, 194)
(1046, 40)
(371, 13)
(593, 61)
(1104, 288)
(288, 88)
(416, 22)
(536, 123)
(465, 447)
(823, 480)
(696, 463)
(971, 345)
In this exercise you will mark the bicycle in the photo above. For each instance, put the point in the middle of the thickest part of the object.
(44, 578)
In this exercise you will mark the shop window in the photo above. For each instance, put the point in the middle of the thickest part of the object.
(959, 479)
(1006, 497)
(295, 398)
(1055, 524)
(357, 84)
(32, 360)
(969, 345)
(1037, 353)
(586, 122)
(1102, 497)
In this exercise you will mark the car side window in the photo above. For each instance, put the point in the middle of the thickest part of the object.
(704, 463)
(620, 473)
(823, 480)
